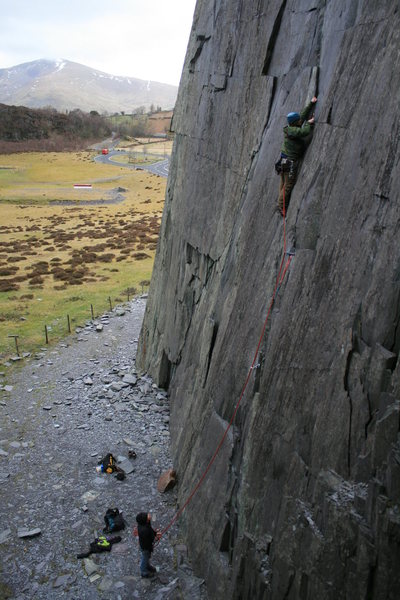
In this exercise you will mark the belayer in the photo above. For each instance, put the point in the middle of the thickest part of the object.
(147, 535)
(294, 145)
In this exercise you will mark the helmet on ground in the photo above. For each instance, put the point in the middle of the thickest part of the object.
(293, 117)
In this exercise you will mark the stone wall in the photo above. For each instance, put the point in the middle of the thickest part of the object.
(303, 499)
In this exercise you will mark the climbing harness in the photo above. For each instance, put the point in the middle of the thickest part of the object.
(284, 266)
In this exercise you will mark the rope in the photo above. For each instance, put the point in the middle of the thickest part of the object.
(279, 280)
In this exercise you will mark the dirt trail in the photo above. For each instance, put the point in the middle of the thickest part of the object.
(69, 406)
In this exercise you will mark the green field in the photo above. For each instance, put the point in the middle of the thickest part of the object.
(61, 259)
(116, 120)
(146, 146)
(135, 158)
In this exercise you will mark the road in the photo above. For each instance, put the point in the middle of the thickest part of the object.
(159, 168)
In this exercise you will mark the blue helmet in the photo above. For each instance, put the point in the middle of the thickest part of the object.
(293, 117)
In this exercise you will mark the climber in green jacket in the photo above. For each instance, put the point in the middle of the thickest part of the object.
(295, 133)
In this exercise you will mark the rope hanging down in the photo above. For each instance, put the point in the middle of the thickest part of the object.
(279, 280)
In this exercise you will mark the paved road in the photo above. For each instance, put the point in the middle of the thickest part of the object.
(159, 168)
(109, 143)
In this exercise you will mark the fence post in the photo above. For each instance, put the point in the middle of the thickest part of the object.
(46, 334)
(127, 291)
(91, 310)
(69, 324)
(109, 299)
(16, 342)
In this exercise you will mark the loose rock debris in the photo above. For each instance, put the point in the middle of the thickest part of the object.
(54, 430)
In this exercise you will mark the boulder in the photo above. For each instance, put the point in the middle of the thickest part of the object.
(166, 481)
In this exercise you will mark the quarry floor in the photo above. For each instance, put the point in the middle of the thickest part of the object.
(61, 411)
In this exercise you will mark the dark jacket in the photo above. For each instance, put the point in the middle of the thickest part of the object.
(146, 532)
(294, 144)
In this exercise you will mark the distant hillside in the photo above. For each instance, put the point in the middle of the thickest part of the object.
(66, 85)
(26, 129)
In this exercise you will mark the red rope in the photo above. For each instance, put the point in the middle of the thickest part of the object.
(279, 280)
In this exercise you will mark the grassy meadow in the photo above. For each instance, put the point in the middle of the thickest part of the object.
(64, 249)
(147, 146)
(135, 158)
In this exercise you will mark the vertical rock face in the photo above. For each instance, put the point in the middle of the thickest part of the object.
(303, 498)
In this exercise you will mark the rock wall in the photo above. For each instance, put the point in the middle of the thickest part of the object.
(303, 499)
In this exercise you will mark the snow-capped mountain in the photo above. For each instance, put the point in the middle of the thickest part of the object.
(66, 85)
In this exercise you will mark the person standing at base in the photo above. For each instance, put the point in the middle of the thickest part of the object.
(147, 535)
(299, 127)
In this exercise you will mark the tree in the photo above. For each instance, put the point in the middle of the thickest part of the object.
(144, 283)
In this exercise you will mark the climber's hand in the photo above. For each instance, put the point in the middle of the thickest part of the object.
(314, 99)
(311, 121)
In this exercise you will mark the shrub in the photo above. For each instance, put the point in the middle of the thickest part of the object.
(140, 255)
(8, 286)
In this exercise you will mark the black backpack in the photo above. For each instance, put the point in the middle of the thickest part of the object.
(108, 463)
(114, 520)
(100, 544)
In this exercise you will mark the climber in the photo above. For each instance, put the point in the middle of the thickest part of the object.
(294, 145)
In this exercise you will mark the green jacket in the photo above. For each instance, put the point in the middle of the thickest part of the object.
(294, 144)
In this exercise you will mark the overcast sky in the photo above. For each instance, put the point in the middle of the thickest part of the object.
(146, 39)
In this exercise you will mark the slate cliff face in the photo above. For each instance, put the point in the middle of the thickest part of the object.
(303, 499)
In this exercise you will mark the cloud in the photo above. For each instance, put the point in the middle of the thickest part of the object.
(125, 37)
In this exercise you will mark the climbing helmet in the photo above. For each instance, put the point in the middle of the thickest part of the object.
(293, 117)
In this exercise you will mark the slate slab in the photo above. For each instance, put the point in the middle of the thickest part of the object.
(23, 532)
(5, 535)
(127, 466)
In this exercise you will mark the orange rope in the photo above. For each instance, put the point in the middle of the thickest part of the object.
(278, 283)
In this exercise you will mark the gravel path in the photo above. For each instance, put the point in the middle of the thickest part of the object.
(69, 405)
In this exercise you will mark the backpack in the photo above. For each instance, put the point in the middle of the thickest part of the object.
(108, 463)
(114, 520)
(100, 544)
